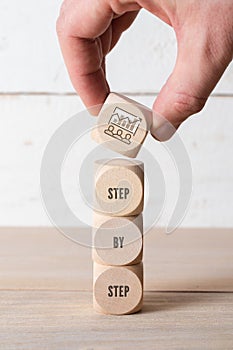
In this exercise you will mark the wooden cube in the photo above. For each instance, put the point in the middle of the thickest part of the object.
(118, 290)
(119, 187)
(122, 125)
(117, 241)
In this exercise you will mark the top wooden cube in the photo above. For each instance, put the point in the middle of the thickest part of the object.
(122, 125)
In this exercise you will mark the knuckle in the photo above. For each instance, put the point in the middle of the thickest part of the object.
(187, 104)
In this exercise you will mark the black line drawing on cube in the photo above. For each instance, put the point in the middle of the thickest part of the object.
(122, 125)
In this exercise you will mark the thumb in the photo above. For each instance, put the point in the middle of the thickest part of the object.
(198, 68)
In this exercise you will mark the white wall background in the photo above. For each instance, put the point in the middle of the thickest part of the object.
(36, 97)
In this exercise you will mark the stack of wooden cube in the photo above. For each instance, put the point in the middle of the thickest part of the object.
(119, 196)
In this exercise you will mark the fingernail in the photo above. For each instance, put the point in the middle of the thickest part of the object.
(161, 128)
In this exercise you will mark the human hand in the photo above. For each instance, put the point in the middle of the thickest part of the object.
(89, 29)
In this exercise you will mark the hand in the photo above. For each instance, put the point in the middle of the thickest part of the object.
(89, 29)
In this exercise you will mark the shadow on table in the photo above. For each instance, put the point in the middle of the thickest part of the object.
(166, 301)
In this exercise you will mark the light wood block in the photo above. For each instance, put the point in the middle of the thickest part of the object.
(117, 241)
(122, 125)
(118, 290)
(119, 187)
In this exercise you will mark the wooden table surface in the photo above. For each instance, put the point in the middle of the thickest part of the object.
(46, 299)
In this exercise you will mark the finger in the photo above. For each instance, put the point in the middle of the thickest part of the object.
(120, 24)
(85, 35)
(79, 27)
(199, 66)
(162, 9)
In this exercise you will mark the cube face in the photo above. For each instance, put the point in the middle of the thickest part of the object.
(118, 290)
(119, 195)
(119, 187)
(117, 241)
(122, 125)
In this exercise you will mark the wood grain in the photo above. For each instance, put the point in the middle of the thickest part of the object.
(118, 290)
(65, 320)
(29, 121)
(142, 60)
(59, 318)
(188, 260)
(117, 241)
(125, 180)
(123, 125)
